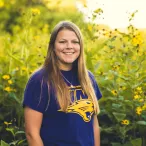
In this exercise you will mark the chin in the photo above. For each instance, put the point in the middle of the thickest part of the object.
(69, 61)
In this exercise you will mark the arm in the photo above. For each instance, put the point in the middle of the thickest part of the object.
(96, 131)
(33, 121)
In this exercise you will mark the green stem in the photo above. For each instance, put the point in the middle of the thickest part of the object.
(143, 141)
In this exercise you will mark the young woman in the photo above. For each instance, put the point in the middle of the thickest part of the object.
(61, 98)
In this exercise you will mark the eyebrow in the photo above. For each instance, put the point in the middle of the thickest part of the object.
(71, 40)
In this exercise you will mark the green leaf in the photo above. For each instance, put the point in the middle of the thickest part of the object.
(122, 77)
(14, 142)
(21, 141)
(107, 130)
(4, 143)
(121, 98)
(11, 130)
(30, 58)
(136, 142)
(1, 87)
(141, 123)
(16, 59)
(15, 97)
(19, 132)
(119, 116)
(111, 47)
(116, 106)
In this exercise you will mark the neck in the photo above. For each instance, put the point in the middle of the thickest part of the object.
(65, 68)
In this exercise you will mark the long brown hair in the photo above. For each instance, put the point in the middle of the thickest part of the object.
(54, 74)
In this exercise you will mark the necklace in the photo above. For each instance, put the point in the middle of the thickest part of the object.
(67, 80)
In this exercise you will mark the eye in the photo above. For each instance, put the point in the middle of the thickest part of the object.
(62, 42)
(76, 42)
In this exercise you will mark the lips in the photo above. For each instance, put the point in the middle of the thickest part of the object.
(68, 53)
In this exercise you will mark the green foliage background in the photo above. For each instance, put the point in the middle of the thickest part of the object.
(116, 58)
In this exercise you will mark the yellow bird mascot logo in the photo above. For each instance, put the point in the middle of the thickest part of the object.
(83, 107)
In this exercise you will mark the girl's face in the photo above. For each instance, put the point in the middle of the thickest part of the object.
(67, 48)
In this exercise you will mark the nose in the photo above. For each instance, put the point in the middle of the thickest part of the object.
(69, 45)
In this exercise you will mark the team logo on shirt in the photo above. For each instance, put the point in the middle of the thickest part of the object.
(83, 107)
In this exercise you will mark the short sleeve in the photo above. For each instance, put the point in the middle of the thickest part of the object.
(35, 93)
(95, 86)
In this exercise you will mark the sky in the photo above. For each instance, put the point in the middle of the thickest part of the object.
(116, 12)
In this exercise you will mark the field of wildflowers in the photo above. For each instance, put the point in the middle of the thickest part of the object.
(117, 59)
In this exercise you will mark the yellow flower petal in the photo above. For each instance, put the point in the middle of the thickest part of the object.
(8, 89)
(10, 82)
(35, 11)
(6, 77)
(114, 92)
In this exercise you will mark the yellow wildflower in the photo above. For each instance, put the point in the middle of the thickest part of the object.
(125, 39)
(139, 110)
(88, 49)
(89, 27)
(144, 107)
(7, 123)
(45, 28)
(122, 88)
(6, 77)
(135, 92)
(115, 67)
(125, 122)
(134, 57)
(138, 88)
(8, 89)
(100, 73)
(137, 40)
(137, 96)
(1, 4)
(10, 82)
(24, 68)
(31, 71)
(35, 11)
(140, 53)
(16, 69)
(114, 92)
(106, 34)
(96, 57)
(36, 37)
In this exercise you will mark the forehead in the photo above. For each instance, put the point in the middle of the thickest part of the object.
(66, 34)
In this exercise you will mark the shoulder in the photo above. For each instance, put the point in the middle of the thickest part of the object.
(37, 78)
(91, 75)
(38, 75)
(95, 85)
(36, 92)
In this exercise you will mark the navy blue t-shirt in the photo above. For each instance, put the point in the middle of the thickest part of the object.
(73, 128)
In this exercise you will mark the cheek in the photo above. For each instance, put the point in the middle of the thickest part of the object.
(57, 50)
(78, 51)
(57, 47)
(57, 53)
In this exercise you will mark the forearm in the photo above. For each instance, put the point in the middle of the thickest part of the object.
(33, 121)
(96, 132)
(34, 140)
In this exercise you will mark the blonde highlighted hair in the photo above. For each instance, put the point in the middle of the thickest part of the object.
(54, 75)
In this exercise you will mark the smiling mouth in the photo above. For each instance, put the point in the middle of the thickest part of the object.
(68, 53)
